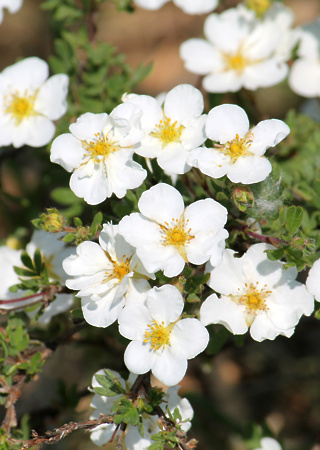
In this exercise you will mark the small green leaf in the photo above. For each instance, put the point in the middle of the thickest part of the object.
(38, 261)
(77, 222)
(294, 218)
(70, 237)
(26, 260)
(275, 255)
(23, 272)
(96, 223)
(141, 427)
(126, 413)
(110, 384)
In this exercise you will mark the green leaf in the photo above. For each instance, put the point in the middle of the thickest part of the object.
(96, 223)
(70, 237)
(77, 222)
(26, 260)
(275, 255)
(126, 413)
(156, 445)
(38, 261)
(23, 272)
(294, 218)
(110, 384)
(141, 427)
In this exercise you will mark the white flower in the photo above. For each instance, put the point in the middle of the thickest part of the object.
(12, 5)
(173, 129)
(188, 6)
(304, 77)
(268, 443)
(239, 52)
(107, 276)
(133, 440)
(53, 252)
(239, 154)
(256, 293)
(167, 235)
(161, 341)
(312, 282)
(99, 152)
(30, 102)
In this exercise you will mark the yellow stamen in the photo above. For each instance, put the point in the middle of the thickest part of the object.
(100, 148)
(159, 335)
(237, 147)
(254, 299)
(20, 106)
(177, 235)
(119, 270)
(167, 132)
(259, 6)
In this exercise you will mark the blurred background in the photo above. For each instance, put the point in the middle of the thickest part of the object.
(277, 381)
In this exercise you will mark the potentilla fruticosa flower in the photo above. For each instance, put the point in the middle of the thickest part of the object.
(134, 441)
(268, 443)
(172, 129)
(99, 152)
(304, 77)
(188, 6)
(108, 275)
(238, 151)
(167, 235)
(12, 5)
(257, 293)
(161, 340)
(30, 102)
(240, 51)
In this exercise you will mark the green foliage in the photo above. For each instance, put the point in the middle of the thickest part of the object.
(110, 386)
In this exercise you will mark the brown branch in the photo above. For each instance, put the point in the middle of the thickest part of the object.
(267, 239)
(51, 437)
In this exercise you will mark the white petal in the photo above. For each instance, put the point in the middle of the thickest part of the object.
(88, 125)
(134, 320)
(27, 74)
(210, 161)
(249, 169)
(169, 368)
(51, 98)
(102, 313)
(228, 81)
(198, 56)
(262, 328)
(268, 133)
(161, 203)
(304, 77)
(93, 187)
(198, 7)
(183, 104)
(165, 304)
(228, 277)
(225, 122)
(189, 338)
(67, 151)
(225, 312)
(138, 357)
(312, 282)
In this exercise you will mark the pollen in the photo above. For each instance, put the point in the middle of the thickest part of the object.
(235, 62)
(119, 269)
(237, 147)
(100, 148)
(254, 298)
(177, 234)
(259, 6)
(20, 106)
(158, 335)
(167, 131)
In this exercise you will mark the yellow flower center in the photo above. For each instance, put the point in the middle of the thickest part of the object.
(119, 270)
(100, 148)
(158, 335)
(236, 62)
(167, 132)
(259, 6)
(237, 147)
(177, 235)
(20, 107)
(254, 299)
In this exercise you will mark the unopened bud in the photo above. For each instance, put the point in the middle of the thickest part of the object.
(53, 221)
(243, 198)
